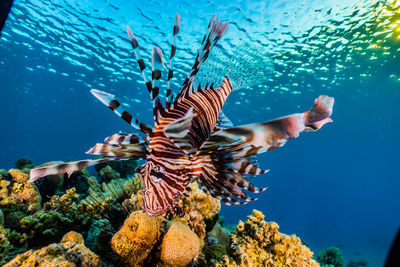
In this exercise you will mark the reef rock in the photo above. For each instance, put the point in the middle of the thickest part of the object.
(179, 246)
(69, 252)
(134, 241)
(258, 243)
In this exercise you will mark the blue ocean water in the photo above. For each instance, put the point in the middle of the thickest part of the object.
(335, 187)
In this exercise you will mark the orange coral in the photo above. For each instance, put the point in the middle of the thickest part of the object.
(136, 238)
(179, 246)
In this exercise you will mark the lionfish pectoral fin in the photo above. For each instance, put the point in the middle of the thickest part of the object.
(120, 151)
(68, 167)
(261, 137)
(178, 131)
(110, 101)
(223, 122)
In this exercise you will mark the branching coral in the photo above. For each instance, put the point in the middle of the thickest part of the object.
(258, 243)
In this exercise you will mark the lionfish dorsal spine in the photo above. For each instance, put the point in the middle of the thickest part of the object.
(215, 30)
(140, 61)
(157, 63)
(169, 95)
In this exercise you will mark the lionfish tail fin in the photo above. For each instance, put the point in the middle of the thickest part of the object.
(169, 96)
(215, 31)
(67, 167)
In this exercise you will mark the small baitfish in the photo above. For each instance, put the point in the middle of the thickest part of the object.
(190, 140)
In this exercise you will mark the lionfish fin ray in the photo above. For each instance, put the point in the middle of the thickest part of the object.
(67, 167)
(215, 31)
(142, 65)
(110, 101)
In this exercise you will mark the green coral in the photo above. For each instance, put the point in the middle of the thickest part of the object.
(23, 163)
(215, 253)
(59, 215)
(107, 174)
(331, 257)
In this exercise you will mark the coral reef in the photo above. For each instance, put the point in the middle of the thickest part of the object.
(59, 215)
(23, 163)
(69, 252)
(108, 174)
(94, 210)
(123, 167)
(258, 243)
(99, 240)
(331, 257)
(134, 241)
(179, 246)
(201, 211)
(15, 190)
(4, 245)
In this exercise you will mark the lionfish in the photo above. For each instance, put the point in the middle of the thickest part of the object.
(190, 140)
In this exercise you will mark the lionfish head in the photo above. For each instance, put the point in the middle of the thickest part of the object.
(160, 190)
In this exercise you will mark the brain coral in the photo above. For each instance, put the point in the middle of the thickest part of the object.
(136, 238)
(179, 246)
(66, 253)
(258, 243)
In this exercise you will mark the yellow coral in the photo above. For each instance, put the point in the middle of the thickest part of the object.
(64, 254)
(18, 176)
(198, 208)
(258, 243)
(73, 237)
(179, 246)
(136, 238)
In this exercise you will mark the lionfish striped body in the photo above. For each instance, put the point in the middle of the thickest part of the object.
(189, 140)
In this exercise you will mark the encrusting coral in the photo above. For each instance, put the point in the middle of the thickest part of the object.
(69, 252)
(258, 243)
(134, 241)
(179, 246)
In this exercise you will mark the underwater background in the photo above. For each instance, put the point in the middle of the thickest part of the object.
(336, 187)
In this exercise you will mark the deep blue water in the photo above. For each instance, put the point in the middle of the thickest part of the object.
(336, 187)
